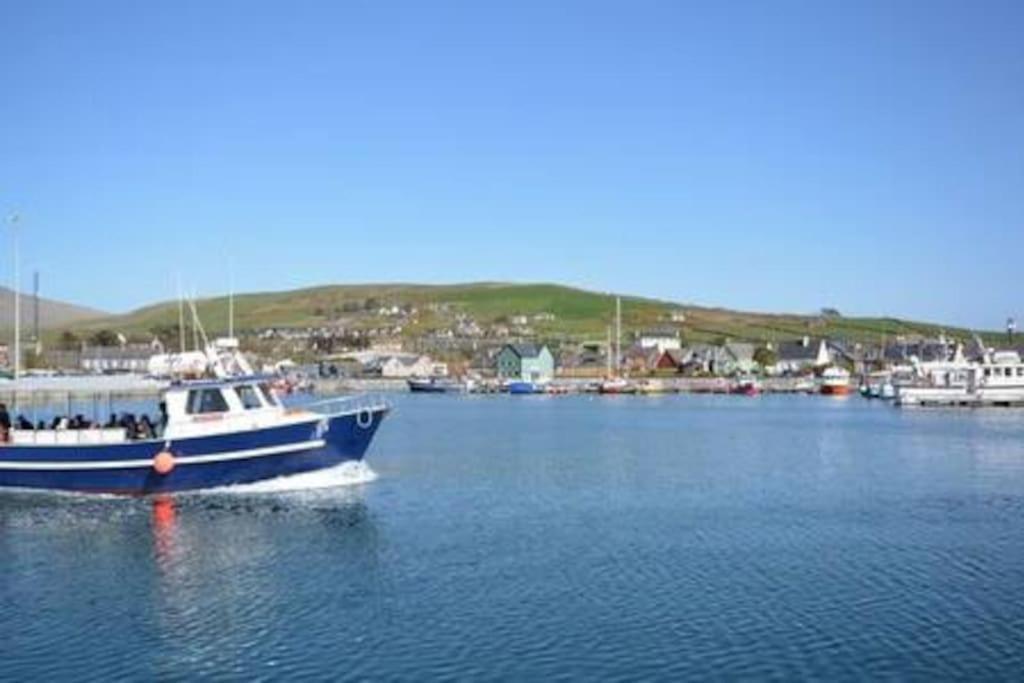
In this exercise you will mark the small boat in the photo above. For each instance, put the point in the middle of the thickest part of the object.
(522, 387)
(433, 385)
(745, 386)
(835, 381)
(217, 431)
(616, 385)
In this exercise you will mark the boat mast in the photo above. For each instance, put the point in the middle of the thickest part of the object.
(181, 317)
(608, 352)
(231, 301)
(618, 335)
(17, 297)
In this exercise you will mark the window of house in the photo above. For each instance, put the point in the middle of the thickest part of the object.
(248, 396)
(202, 401)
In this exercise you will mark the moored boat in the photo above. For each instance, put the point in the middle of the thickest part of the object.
(745, 386)
(996, 380)
(835, 381)
(616, 385)
(433, 385)
(521, 387)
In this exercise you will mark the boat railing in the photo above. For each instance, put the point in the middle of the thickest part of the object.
(91, 436)
(342, 405)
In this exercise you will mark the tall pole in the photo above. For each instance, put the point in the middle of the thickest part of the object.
(608, 352)
(231, 301)
(35, 309)
(17, 297)
(181, 317)
(618, 334)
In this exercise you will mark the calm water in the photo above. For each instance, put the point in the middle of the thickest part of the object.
(562, 537)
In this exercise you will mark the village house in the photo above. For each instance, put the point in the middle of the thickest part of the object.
(660, 339)
(796, 357)
(132, 358)
(730, 358)
(526, 362)
(404, 366)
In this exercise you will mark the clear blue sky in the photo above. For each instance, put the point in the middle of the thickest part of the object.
(761, 155)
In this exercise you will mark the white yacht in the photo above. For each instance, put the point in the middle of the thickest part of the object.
(996, 380)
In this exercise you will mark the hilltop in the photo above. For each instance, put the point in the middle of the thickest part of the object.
(52, 314)
(552, 311)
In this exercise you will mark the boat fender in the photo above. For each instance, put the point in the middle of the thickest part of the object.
(163, 462)
(364, 418)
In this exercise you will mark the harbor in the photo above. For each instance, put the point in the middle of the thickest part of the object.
(650, 522)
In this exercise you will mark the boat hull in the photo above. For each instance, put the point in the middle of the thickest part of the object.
(835, 389)
(199, 462)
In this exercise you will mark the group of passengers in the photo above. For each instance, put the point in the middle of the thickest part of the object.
(135, 428)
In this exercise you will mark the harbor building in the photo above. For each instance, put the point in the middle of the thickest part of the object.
(525, 362)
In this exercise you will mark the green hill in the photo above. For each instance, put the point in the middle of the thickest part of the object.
(575, 314)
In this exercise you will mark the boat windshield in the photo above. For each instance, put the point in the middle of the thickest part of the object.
(268, 394)
(249, 398)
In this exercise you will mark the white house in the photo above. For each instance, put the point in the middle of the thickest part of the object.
(401, 366)
(663, 340)
(800, 356)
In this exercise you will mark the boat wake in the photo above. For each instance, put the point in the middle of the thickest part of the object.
(345, 474)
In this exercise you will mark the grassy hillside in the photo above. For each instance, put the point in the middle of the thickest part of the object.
(578, 314)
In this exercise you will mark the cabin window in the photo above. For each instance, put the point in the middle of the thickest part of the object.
(248, 396)
(206, 401)
(268, 394)
(1020, 372)
(988, 372)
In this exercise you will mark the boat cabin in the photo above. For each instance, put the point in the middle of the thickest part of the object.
(187, 409)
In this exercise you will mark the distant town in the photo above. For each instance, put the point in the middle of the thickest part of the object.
(374, 339)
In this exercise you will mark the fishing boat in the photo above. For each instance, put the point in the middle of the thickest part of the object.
(433, 385)
(227, 428)
(835, 381)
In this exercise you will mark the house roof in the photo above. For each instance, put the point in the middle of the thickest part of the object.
(677, 356)
(796, 350)
(740, 351)
(525, 350)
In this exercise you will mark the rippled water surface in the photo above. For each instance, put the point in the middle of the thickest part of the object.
(561, 537)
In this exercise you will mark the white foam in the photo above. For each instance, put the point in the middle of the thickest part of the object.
(346, 474)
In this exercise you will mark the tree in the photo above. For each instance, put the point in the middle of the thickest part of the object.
(103, 338)
(68, 341)
(765, 357)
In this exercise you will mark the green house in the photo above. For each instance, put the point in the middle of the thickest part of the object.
(526, 362)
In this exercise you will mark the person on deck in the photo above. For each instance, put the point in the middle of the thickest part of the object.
(5, 423)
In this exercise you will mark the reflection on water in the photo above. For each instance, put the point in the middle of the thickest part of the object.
(573, 537)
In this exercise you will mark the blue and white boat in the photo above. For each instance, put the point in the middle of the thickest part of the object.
(220, 431)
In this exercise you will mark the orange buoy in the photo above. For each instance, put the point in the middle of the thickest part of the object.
(163, 462)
